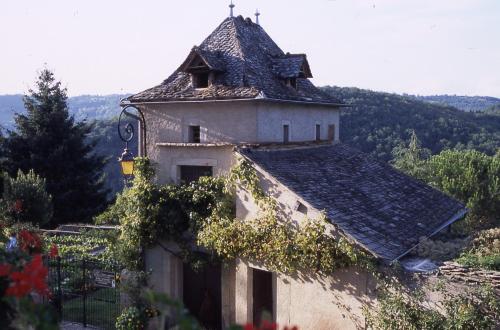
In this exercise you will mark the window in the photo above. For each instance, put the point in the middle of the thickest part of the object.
(194, 134)
(299, 207)
(286, 133)
(331, 133)
(318, 132)
(292, 82)
(193, 173)
(200, 80)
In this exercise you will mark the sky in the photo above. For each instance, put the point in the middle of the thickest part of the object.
(102, 47)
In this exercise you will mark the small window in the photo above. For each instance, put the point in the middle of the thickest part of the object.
(331, 133)
(193, 173)
(292, 82)
(318, 132)
(299, 207)
(286, 133)
(194, 134)
(200, 80)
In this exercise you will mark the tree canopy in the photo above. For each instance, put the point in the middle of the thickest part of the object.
(48, 141)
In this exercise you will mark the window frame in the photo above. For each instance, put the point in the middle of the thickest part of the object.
(192, 138)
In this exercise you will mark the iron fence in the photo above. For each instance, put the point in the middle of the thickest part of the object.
(85, 291)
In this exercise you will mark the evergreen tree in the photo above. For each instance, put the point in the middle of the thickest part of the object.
(412, 159)
(49, 141)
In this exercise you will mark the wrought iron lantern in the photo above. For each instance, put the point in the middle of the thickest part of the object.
(126, 133)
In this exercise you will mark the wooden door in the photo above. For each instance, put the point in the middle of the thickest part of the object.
(202, 295)
(263, 306)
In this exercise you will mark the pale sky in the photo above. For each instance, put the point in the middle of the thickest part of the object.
(125, 46)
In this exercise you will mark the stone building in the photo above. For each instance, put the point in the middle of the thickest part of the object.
(239, 95)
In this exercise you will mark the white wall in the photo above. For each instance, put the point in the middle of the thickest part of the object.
(305, 299)
(302, 120)
(236, 122)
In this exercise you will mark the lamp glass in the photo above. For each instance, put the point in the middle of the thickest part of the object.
(127, 167)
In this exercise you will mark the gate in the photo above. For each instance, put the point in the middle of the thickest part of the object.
(85, 291)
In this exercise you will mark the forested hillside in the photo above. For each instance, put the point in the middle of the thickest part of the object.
(88, 107)
(465, 103)
(378, 122)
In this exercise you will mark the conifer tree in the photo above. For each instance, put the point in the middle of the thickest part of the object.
(49, 141)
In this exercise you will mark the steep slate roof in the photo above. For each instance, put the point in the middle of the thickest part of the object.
(382, 209)
(248, 65)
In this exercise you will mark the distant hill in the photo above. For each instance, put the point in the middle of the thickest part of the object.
(99, 110)
(377, 122)
(88, 107)
(465, 103)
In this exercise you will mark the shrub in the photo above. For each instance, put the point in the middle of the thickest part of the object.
(473, 178)
(26, 200)
(472, 309)
(484, 250)
(131, 319)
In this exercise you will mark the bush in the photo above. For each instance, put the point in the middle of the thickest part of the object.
(484, 250)
(26, 200)
(472, 309)
(131, 319)
(473, 178)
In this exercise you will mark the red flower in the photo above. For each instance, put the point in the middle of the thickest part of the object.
(5, 269)
(18, 206)
(32, 278)
(29, 242)
(54, 251)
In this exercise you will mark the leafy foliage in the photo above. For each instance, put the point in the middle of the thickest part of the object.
(48, 140)
(397, 310)
(131, 319)
(484, 250)
(278, 245)
(203, 212)
(148, 213)
(471, 177)
(23, 275)
(25, 199)
(378, 122)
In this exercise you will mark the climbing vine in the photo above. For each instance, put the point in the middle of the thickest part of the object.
(279, 245)
(203, 212)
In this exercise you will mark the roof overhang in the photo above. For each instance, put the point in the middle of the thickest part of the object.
(125, 102)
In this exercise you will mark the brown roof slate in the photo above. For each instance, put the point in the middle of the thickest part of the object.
(248, 64)
(382, 209)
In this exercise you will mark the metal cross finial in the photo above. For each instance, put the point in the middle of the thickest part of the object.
(231, 6)
(257, 14)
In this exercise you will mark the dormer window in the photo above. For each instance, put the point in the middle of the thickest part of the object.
(202, 66)
(200, 80)
(292, 82)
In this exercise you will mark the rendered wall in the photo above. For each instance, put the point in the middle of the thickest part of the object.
(306, 300)
(237, 122)
(302, 120)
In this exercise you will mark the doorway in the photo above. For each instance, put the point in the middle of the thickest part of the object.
(202, 295)
(263, 306)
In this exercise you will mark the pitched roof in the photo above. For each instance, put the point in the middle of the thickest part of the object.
(382, 209)
(248, 65)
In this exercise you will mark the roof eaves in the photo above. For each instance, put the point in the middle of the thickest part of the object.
(459, 215)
